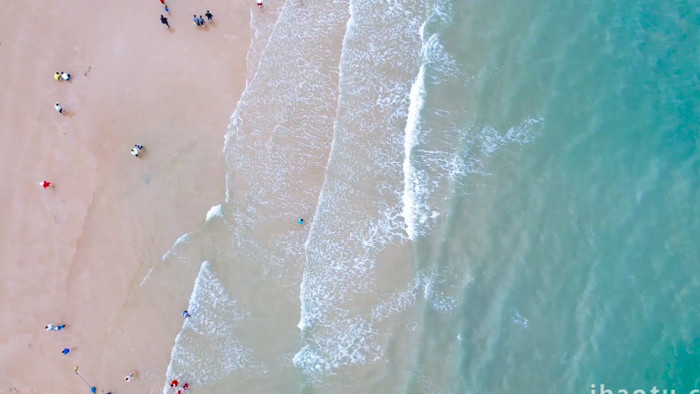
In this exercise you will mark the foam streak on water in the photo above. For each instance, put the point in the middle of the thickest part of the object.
(410, 141)
(207, 349)
(358, 213)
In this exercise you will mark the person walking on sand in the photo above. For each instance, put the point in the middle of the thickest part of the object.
(65, 351)
(186, 314)
(58, 107)
(301, 221)
(167, 9)
(209, 15)
(65, 76)
(55, 327)
(201, 21)
(45, 185)
(57, 76)
(259, 3)
(164, 21)
(129, 377)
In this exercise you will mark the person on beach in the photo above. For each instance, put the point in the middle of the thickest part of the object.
(162, 2)
(301, 221)
(58, 107)
(209, 15)
(55, 327)
(164, 21)
(259, 3)
(135, 150)
(65, 76)
(129, 377)
(186, 314)
(45, 185)
(167, 9)
(65, 351)
(198, 20)
(57, 76)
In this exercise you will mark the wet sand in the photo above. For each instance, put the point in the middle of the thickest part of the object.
(73, 253)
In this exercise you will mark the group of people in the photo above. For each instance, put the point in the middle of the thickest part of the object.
(61, 76)
(64, 76)
(136, 149)
(176, 385)
(199, 21)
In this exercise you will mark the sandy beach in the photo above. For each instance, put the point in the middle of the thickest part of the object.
(73, 252)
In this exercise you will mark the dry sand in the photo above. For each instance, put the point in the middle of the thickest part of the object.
(73, 253)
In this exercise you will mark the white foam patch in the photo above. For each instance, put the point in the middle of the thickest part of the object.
(413, 209)
(519, 320)
(215, 211)
(145, 278)
(177, 246)
(356, 344)
(207, 350)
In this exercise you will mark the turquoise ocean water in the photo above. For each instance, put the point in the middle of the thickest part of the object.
(501, 197)
(582, 242)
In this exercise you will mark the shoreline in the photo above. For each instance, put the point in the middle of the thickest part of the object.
(75, 252)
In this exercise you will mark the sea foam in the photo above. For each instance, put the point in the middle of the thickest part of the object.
(207, 349)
